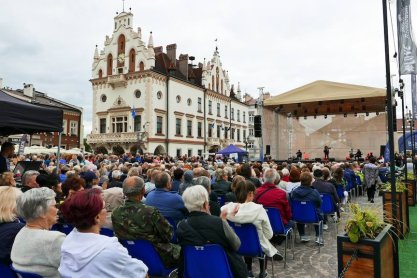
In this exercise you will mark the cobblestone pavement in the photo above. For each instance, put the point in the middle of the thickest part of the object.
(308, 262)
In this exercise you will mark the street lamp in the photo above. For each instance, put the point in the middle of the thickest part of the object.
(246, 141)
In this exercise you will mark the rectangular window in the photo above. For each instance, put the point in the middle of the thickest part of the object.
(103, 125)
(178, 126)
(233, 114)
(190, 153)
(200, 152)
(137, 123)
(119, 124)
(238, 134)
(210, 130)
(210, 110)
(199, 104)
(226, 114)
(225, 133)
(199, 128)
(74, 128)
(179, 152)
(218, 110)
(251, 115)
(238, 115)
(64, 127)
(232, 134)
(244, 134)
(159, 124)
(244, 116)
(250, 145)
(218, 131)
(250, 131)
(189, 128)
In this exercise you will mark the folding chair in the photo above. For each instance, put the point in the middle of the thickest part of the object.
(66, 228)
(24, 274)
(279, 229)
(206, 261)
(250, 245)
(304, 212)
(106, 232)
(174, 226)
(144, 251)
(328, 207)
(6, 271)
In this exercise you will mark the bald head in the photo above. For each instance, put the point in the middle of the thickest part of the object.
(133, 186)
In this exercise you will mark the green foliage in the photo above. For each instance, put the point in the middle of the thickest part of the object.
(399, 186)
(87, 147)
(363, 223)
(410, 176)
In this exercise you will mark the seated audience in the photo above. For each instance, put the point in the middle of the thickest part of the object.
(9, 223)
(72, 185)
(188, 181)
(37, 249)
(135, 220)
(115, 181)
(246, 211)
(169, 203)
(206, 182)
(201, 228)
(113, 198)
(7, 179)
(86, 253)
(177, 180)
(29, 180)
(248, 173)
(150, 185)
(294, 180)
(306, 193)
(222, 186)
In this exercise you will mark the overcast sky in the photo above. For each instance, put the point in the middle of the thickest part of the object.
(276, 44)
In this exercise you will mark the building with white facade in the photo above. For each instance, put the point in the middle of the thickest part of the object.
(149, 101)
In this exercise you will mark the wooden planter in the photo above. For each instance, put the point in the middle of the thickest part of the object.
(375, 258)
(411, 186)
(402, 222)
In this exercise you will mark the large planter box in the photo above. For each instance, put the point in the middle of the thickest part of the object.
(375, 258)
(402, 222)
(411, 186)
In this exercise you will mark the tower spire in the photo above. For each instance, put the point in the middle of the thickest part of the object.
(123, 5)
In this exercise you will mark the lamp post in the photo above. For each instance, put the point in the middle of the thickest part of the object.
(411, 121)
(246, 143)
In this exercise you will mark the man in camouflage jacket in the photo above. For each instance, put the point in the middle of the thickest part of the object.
(135, 220)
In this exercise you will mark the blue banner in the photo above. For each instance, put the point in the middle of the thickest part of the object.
(414, 96)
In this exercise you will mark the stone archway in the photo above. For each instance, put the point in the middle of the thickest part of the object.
(118, 150)
(134, 149)
(214, 149)
(159, 150)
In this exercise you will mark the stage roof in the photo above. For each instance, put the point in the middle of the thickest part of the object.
(328, 98)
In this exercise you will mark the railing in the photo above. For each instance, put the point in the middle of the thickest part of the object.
(117, 80)
(125, 137)
(213, 141)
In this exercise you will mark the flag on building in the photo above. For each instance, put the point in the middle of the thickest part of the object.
(133, 112)
(406, 46)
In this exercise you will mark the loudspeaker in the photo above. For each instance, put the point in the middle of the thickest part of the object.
(382, 150)
(257, 120)
(268, 150)
(317, 159)
(332, 159)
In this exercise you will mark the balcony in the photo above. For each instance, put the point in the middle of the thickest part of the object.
(126, 137)
(213, 141)
(118, 80)
(230, 141)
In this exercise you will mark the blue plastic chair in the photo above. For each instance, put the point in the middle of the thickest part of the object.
(106, 232)
(250, 245)
(144, 251)
(304, 212)
(174, 226)
(24, 274)
(279, 228)
(328, 207)
(206, 261)
(66, 228)
(6, 271)
(221, 200)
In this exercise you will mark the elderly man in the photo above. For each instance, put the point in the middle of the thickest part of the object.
(29, 180)
(169, 203)
(7, 149)
(269, 195)
(135, 220)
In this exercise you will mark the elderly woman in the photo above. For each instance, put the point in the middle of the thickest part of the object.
(7, 179)
(222, 185)
(86, 253)
(200, 228)
(72, 185)
(214, 206)
(9, 224)
(246, 211)
(113, 197)
(36, 249)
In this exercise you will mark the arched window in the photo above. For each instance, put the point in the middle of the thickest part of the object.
(132, 58)
(109, 64)
(100, 74)
(121, 44)
(212, 82)
(141, 66)
(222, 86)
(217, 79)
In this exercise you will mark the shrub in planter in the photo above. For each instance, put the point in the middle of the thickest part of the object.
(401, 220)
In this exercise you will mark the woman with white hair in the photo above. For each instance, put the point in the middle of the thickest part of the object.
(9, 224)
(37, 249)
(200, 228)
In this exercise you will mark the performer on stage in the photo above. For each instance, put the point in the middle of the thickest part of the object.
(326, 151)
(299, 154)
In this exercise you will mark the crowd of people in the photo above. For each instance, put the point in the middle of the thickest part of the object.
(169, 202)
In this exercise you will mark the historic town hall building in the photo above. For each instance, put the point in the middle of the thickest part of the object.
(150, 101)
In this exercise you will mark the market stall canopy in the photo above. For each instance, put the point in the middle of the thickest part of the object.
(21, 117)
(328, 98)
(232, 149)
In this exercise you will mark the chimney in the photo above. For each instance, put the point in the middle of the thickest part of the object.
(28, 90)
(183, 64)
(158, 50)
(172, 52)
(1, 83)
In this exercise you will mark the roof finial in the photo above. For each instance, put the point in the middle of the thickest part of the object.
(216, 44)
(123, 5)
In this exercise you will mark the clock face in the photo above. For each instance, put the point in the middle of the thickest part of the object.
(121, 58)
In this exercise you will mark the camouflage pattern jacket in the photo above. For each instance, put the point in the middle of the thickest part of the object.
(135, 220)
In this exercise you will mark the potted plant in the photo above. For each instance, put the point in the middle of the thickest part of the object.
(369, 246)
(401, 221)
(411, 186)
